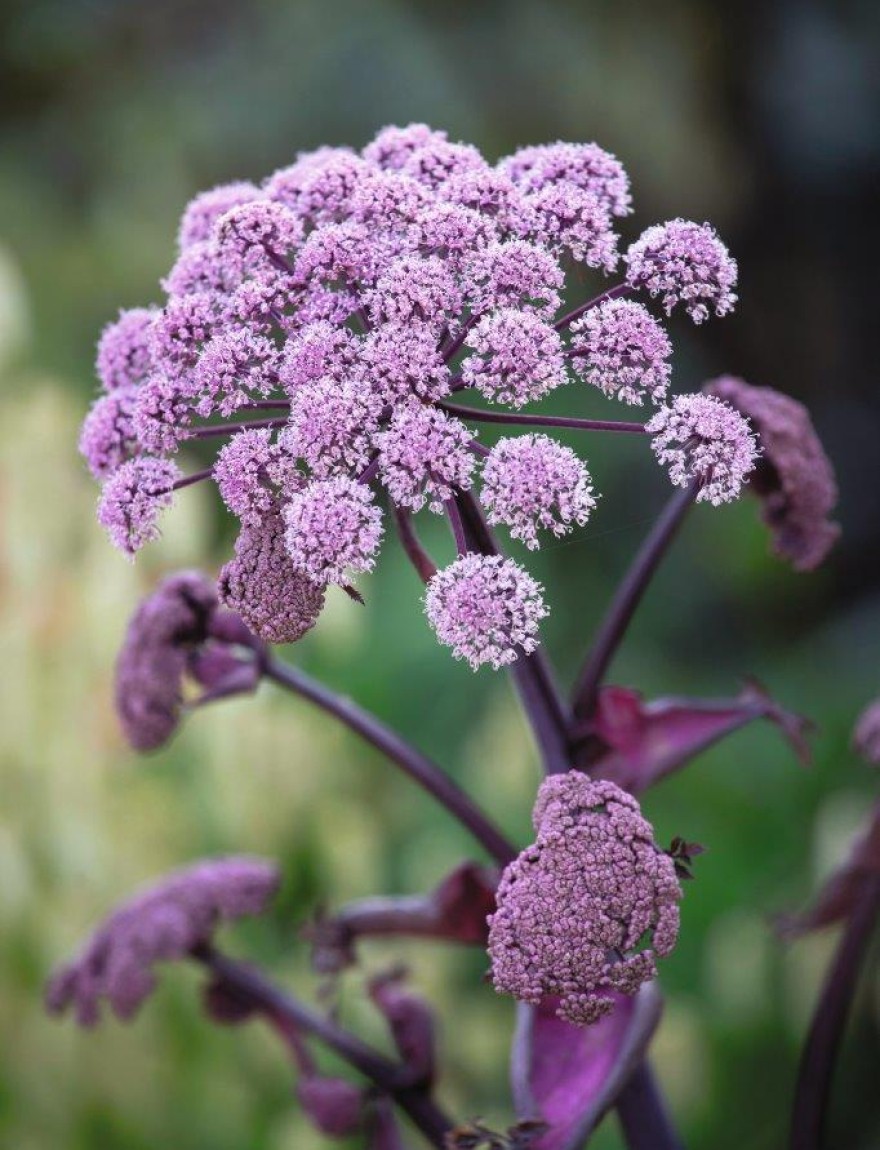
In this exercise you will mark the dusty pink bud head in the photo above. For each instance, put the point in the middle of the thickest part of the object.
(261, 584)
(583, 912)
(164, 631)
(486, 609)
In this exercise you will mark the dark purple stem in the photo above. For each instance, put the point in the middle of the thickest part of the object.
(643, 1114)
(628, 596)
(457, 343)
(504, 417)
(189, 480)
(458, 531)
(231, 428)
(424, 565)
(612, 293)
(532, 674)
(412, 762)
(287, 1013)
(820, 1051)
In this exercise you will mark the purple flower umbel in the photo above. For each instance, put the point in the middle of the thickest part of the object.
(317, 327)
(585, 909)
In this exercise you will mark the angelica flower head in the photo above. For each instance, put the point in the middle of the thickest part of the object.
(701, 437)
(486, 609)
(585, 910)
(620, 348)
(684, 263)
(533, 483)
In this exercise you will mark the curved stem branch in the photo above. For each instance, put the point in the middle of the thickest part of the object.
(288, 1014)
(627, 427)
(628, 596)
(829, 1021)
(612, 293)
(189, 480)
(419, 768)
(424, 565)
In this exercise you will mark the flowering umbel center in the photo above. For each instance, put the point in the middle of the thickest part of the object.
(583, 912)
(318, 327)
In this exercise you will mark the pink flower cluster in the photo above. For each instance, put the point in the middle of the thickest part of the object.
(585, 909)
(316, 328)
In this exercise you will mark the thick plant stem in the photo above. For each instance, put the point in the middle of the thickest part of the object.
(628, 596)
(290, 1016)
(419, 768)
(820, 1051)
(217, 429)
(503, 417)
(531, 674)
(643, 1114)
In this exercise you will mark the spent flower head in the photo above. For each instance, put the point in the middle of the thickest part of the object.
(583, 912)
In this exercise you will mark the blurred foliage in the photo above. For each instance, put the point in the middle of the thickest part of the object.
(761, 118)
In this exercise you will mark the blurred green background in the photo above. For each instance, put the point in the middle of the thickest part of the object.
(760, 117)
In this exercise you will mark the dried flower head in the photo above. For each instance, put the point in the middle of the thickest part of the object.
(701, 437)
(261, 584)
(684, 263)
(794, 478)
(585, 909)
(486, 608)
(620, 348)
(533, 483)
(163, 924)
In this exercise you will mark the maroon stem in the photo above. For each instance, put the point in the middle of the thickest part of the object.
(458, 342)
(457, 525)
(628, 596)
(504, 417)
(820, 1051)
(642, 1111)
(189, 480)
(612, 293)
(287, 1014)
(532, 674)
(217, 429)
(413, 763)
(424, 565)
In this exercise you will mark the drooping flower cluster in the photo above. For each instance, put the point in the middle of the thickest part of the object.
(178, 632)
(164, 923)
(333, 312)
(794, 478)
(583, 912)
